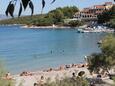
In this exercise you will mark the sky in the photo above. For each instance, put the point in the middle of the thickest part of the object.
(59, 3)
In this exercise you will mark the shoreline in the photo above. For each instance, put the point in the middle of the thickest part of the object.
(32, 26)
(81, 29)
(53, 68)
(46, 27)
(29, 78)
(61, 72)
(51, 75)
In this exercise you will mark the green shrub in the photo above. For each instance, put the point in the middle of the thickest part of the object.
(76, 23)
(2, 74)
(68, 82)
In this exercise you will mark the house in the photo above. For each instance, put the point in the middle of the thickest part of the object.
(91, 13)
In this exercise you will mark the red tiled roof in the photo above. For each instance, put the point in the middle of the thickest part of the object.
(108, 3)
(99, 6)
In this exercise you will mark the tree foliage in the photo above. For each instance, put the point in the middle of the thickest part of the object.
(106, 59)
(78, 81)
(108, 46)
(76, 23)
(112, 23)
(108, 16)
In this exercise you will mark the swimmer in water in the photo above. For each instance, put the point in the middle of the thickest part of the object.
(51, 51)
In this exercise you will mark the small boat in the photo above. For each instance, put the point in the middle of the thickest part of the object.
(80, 31)
(99, 42)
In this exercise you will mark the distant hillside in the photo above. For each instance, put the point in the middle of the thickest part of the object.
(53, 17)
(21, 20)
(3, 17)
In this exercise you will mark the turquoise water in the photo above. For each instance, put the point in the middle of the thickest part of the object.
(33, 49)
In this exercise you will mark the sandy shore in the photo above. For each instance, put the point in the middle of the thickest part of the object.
(29, 78)
(52, 75)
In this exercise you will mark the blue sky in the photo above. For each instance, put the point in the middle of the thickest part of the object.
(59, 3)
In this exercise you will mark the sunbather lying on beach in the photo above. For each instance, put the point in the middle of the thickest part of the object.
(24, 73)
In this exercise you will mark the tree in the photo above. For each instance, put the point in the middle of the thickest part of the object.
(107, 15)
(96, 62)
(75, 23)
(69, 11)
(108, 46)
(104, 60)
(112, 23)
(57, 15)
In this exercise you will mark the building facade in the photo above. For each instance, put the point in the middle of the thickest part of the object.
(91, 13)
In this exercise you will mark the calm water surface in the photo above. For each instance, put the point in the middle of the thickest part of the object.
(33, 49)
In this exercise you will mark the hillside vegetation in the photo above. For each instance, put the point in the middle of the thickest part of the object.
(108, 17)
(53, 17)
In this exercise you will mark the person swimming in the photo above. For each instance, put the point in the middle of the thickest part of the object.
(51, 51)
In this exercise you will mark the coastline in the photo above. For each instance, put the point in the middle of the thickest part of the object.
(47, 27)
(29, 78)
(81, 29)
(60, 73)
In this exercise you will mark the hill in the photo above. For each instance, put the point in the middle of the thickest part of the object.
(3, 17)
(53, 17)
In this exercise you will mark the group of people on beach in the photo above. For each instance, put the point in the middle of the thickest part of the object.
(66, 67)
(42, 79)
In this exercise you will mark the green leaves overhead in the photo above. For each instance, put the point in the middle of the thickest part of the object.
(31, 7)
(43, 4)
(25, 3)
(10, 9)
(53, 1)
(20, 10)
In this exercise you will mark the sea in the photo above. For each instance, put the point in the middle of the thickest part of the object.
(24, 49)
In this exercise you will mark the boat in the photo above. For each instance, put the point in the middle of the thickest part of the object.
(99, 42)
(80, 31)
